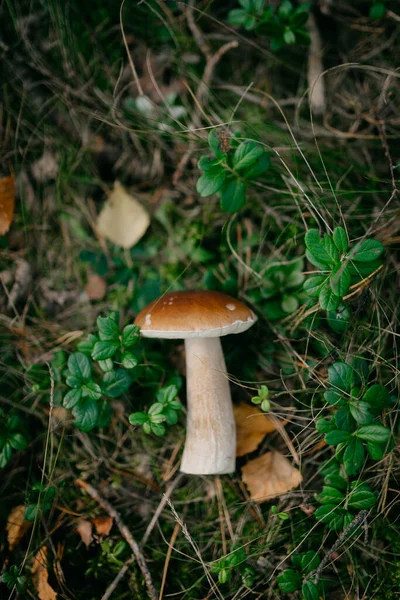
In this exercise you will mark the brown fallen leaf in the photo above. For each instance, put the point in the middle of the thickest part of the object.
(84, 528)
(41, 576)
(103, 525)
(95, 288)
(252, 425)
(123, 220)
(16, 525)
(7, 203)
(269, 476)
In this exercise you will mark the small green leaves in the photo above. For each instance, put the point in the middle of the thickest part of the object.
(79, 366)
(115, 383)
(340, 280)
(353, 456)
(85, 413)
(361, 497)
(246, 154)
(166, 409)
(108, 329)
(310, 591)
(367, 251)
(130, 336)
(339, 319)
(374, 433)
(233, 195)
(289, 581)
(328, 299)
(104, 350)
(12, 578)
(340, 239)
(376, 396)
(336, 436)
(313, 285)
(340, 376)
(317, 250)
(211, 181)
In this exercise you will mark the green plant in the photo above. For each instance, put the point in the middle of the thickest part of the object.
(356, 426)
(166, 409)
(285, 25)
(378, 9)
(280, 292)
(338, 266)
(229, 172)
(13, 578)
(110, 555)
(262, 398)
(292, 580)
(235, 560)
(11, 437)
(40, 500)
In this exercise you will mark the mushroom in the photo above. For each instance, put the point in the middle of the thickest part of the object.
(201, 318)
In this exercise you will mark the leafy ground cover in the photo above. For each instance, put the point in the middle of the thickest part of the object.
(250, 182)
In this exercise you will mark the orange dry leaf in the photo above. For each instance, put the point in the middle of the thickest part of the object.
(269, 476)
(84, 528)
(95, 288)
(16, 525)
(252, 425)
(7, 202)
(103, 525)
(41, 576)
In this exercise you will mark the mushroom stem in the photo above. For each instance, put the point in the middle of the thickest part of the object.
(210, 446)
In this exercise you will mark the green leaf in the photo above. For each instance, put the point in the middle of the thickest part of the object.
(129, 360)
(17, 441)
(344, 420)
(5, 455)
(310, 590)
(259, 167)
(171, 416)
(104, 350)
(366, 251)
(340, 239)
(336, 437)
(237, 16)
(376, 396)
(106, 365)
(79, 366)
(233, 195)
(326, 513)
(138, 418)
(108, 329)
(285, 8)
(353, 457)
(31, 511)
(156, 409)
(328, 299)
(104, 416)
(289, 304)
(92, 390)
(340, 280)
(374, 433)
(362, 499)
(336, 481)
(206, 163)
(330, 495)
(309, 561)
(86, 346)
(72, 397)
(340, 376)
(323, 425)
(85, 413)
(339, 319)
(115, 383)
(376, 451)
(333, 398)
(331, 249)
(211, 181)
(316, 248)
(130, 335)
(360, 412)
(158, 429)
(313, 285)
(166, 395)
(246, 154)
(289, 36)
(289, 581)
(378, 10)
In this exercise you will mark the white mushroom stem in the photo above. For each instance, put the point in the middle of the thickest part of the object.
(210, 446)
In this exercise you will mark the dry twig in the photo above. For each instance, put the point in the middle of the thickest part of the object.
(94, 494)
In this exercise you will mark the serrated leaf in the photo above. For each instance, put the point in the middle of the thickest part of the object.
(367, 251)
(85, 413)
(246, 154)
(340, 239)
(79, 366)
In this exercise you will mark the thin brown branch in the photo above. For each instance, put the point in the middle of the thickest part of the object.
(112, 587)
(126, 534)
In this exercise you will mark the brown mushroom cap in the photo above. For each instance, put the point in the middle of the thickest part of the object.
(206, 314)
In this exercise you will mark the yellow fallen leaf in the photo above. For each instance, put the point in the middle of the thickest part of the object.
(103, 525)
(252, 425)
(7, 202)
(84, 528)
(41, 576)
(123, 220)
(16, 525)
(269, 476)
